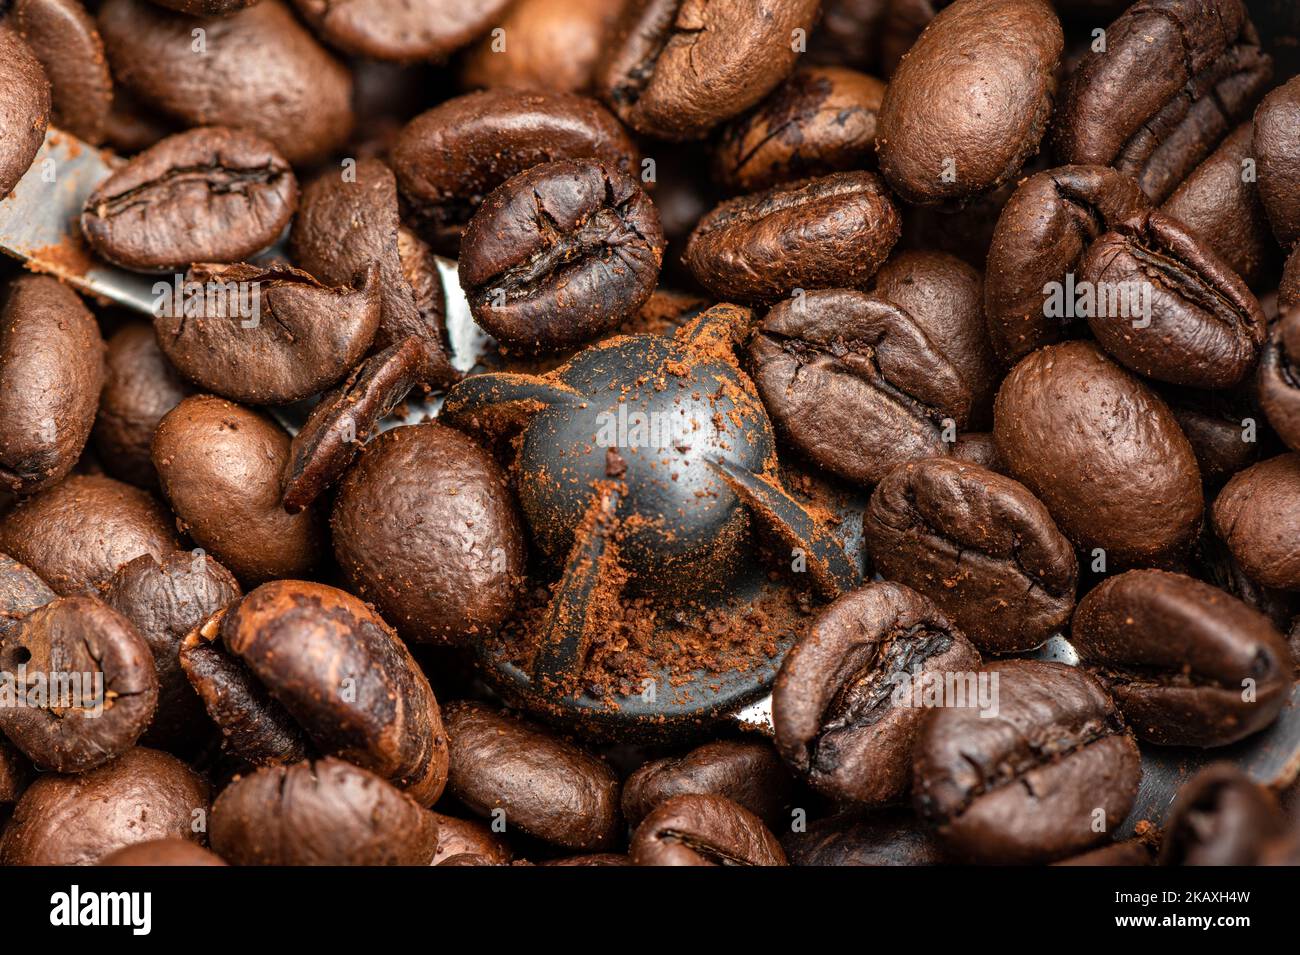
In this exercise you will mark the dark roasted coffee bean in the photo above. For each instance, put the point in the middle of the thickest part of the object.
(80, 819)
(63, 36)
(205, 195)
(51, 372)
(469, 836)
(821, 120)
(1279, 378)
(164, 600)
(1221, 817)
(978, 447)
(1213, 562)
(699, 829)
(560, 254)
(140, 387)
(553, 45)
(879, 837)
(674, 69)
(220, 466)
(1048, 778)
(1167, 307)
(1220, 203)
(325, 812)
(832, 232)
(342, 673)
(1103, 452)
(954, 124)
(1040, 238)
(545, 786)
(448, 159)
(856, 384)
(1130, 852)
(347, 225)
(748, 772)
(76, 534)
(402, 30)
(162, 852)
(841, 719)
(1276, 147)
(260, 70)
(1257, 515)
(1173, 79)
(979, 545)
(21, 592)
(206, 8)
(1220, 426)
(24, 108)
(83, 685)
(598, 859)
(849, 33)
(425, 526)
(15, 773)
(1187, 664)
(267, 335)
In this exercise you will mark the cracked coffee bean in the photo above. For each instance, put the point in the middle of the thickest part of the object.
(24, 108)
(560, 254)
(979, 545)
(206, 195)
(1033, 784)
(748, 772)
(832, 232)
(1187, 664)
(855, 383)
(840, 718)
(699, 829)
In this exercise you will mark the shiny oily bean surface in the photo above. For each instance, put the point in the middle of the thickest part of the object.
(1186, 663)
(979, 545)
(839, 717)
(748, 772)
(24, 108)
(1257, 514)
(546, 786)
(63, 37)
(1102, 451)
(1276, 145)
(402, 30)
(1025, 787)
(700, 829)
(830, 232)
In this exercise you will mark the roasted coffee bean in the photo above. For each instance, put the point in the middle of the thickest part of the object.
(1213, 562)
(220, 466)
(840, 720)
(560, 254)
(1174, 78)
(341, 672)
(261, 71)
(849, 33)
(1257, 515)
(205, 195)
(1187, 664)
(80, 819)
(402, 30)
(1276, 147)
(1167, 307)
(1103, 452)
(945, 296)
(448, 159)
(1029, 785)
(1130, 852)
(425, 526)
(164, 600)
(469, 836)
(346, 226)
(674, 69)
(553, 45)
(748, 772)
(547, 787)
(598, 859)
(15, 772)
(83, 682)
(832, 232)
(821, 120)
(1221, 204)
(1221, 817)
(978, 447)
(162, 852)
(325, 812)
(206, 8)
(1219, 425)
(879, 837)
(1279, 378)
(76, 534)
(700, 829)
(51, 372)
(24, 108)
(268, 335)
(63, 36)
(856, 384)
(140, 387)
(133, 127)
(979, 545)
(21, 592)
(971, 100)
